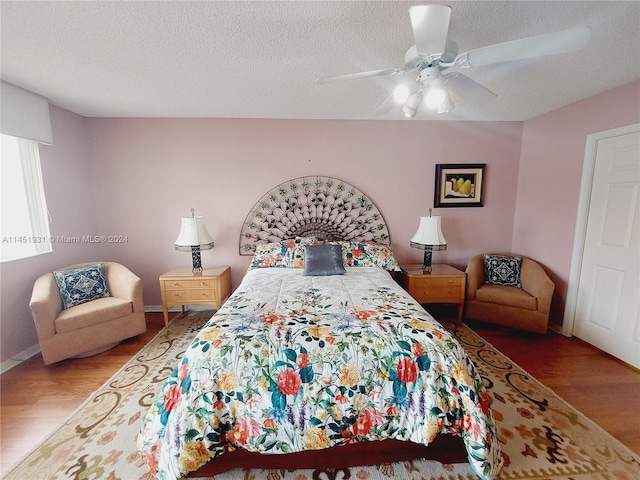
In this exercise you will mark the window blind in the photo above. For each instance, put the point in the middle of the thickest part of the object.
(36, 202)
(24, 114)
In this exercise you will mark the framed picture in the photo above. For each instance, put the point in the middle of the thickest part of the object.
(459, 185)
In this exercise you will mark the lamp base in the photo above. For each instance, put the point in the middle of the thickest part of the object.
(196, 259)
(426, 264)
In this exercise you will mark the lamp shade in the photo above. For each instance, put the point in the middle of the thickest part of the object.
(193, 233)
(429, 235)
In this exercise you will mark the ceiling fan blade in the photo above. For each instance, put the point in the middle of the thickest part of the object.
(468, 89)
(386, 106)
(355, 76)
(430, 25)
(550, 44)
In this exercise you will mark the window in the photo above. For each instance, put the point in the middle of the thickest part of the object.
(25, 225)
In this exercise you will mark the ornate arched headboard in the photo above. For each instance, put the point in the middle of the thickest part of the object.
(319, 206)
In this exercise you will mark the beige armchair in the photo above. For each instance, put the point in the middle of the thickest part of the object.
(91, 327)
(525, 308)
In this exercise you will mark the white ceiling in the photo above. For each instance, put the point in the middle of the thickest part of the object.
(261, 59)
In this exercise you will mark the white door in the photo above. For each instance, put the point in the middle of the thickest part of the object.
(607, 312)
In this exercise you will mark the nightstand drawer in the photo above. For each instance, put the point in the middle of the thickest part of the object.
(436, 281)
(188, 284)
(437, 291)
(190, 294)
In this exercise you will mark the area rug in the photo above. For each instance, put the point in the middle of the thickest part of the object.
(542, 437)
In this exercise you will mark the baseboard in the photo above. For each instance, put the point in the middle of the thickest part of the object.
(554, 327)
(19, 358)
(35, 349)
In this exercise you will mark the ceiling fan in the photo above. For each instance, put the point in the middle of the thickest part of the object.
(430, 82)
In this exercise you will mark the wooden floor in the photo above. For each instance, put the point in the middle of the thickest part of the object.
(35, 399)
(600, 386)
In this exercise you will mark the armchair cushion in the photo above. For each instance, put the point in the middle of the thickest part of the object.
(503, 295)
(502, 270)
(81, 285)
(92, 313)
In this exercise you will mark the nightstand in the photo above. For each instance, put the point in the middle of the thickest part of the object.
(444, 284)
(183, 287)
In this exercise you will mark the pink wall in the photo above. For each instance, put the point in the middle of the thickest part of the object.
(553, 148)
(147, 173)
(69, 193)
(137, 177)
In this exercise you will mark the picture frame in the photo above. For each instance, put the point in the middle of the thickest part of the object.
(459, 185)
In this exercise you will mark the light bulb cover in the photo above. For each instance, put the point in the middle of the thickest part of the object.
(411, 107)
(436, 95)
(401, 93)
(446, 106)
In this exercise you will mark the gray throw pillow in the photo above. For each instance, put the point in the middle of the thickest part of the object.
(502, 270)
(323, 259)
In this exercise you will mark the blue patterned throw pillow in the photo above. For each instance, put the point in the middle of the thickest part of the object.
(81, 285)
(502, 270)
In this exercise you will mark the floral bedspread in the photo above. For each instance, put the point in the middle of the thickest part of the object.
(293, 362)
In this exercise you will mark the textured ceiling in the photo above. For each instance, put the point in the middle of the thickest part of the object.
(261, 59)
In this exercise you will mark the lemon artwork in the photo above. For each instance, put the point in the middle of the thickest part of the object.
(461, 185)
(465, 188)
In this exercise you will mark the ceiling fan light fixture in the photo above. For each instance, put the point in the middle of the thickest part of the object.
(434, 98)
(411, 107)
(446, 106)
(434, 53)
(437, 95)
(401, 94)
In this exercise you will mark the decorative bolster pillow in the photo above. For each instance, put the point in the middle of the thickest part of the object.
(283, 254)
(369, 254)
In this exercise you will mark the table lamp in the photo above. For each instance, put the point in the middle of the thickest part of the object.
(429, 237)
(193, 237)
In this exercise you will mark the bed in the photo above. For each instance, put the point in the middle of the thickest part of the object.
(319, 358)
